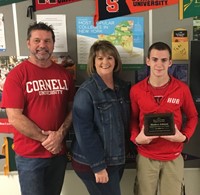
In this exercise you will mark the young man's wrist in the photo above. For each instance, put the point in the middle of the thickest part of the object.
(186, 139)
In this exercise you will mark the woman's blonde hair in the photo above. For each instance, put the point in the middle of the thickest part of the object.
(105, 47)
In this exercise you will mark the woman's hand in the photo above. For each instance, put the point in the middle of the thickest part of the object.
(101, 176)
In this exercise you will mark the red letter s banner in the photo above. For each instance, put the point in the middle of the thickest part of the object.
(112, 6)
(106, 9)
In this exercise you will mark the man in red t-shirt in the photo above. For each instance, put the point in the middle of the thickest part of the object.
(38, 96)
(160, 164)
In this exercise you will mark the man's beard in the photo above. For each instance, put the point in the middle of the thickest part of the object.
(41, 57)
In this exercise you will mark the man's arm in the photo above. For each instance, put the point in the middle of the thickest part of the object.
(24, 125)
(64, 128)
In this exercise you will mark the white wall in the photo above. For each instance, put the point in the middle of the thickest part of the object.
(9, 185)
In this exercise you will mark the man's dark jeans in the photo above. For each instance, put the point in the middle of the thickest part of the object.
(41, 176)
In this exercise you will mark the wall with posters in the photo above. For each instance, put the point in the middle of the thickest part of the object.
(158, 26)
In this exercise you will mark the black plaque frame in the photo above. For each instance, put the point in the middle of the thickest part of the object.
(159, 124)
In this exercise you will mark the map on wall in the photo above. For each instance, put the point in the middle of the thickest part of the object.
(126, 33)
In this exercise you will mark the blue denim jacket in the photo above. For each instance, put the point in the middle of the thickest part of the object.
(100, 120)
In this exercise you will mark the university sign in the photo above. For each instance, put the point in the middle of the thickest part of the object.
(115, 8)
(45, 4)
(189, 8)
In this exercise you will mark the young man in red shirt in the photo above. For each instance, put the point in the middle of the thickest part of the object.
(160, 164)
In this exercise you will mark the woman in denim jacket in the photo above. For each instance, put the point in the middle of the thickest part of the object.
(101, 122)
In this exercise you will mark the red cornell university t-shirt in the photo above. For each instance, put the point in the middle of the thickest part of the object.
(42, 94)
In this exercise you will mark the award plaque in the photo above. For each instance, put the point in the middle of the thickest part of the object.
(159, 124)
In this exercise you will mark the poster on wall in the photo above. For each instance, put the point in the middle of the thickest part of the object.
(2, 34)
(188, 8)
(58, 21)
(126, 33)
(180, 44)
(67, 62)
(196, 28)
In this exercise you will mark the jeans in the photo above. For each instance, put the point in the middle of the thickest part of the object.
(41, 176)
(111, 188)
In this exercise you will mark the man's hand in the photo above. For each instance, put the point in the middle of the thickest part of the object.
(178, 137)
(143, 139)
(53, 143)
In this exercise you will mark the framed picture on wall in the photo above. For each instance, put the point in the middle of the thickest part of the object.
(196, 28)
(142, 73)
(180, 71)
(67, 62)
